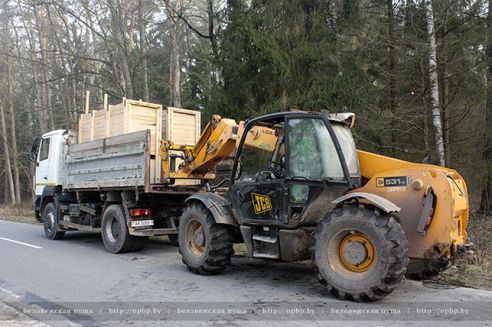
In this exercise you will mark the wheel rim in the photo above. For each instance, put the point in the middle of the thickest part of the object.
(356, 252)
(50, 221)
(195, 235)
(113, 229)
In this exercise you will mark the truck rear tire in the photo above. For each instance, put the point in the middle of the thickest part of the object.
(360, 253)
(205, 246)
(50, 223)
(115, 232)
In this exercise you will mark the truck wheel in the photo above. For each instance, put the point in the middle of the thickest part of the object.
(360, 253)
(114, 231)
(205, 246)
(50, 224)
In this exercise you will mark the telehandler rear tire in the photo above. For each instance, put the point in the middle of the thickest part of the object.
(205, 246)
(360, 253)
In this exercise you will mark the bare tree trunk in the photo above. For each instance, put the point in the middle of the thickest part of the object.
(118, 30)
(433, 84)
(486, 196)
(97, 79)
(15, 155)
(43, 45)
(9, 98)
(211, 29)
(445, 89)
(391, 70)
(175, 69)
(143, 52)
(40, 114)
(424, 106)
(6, 153)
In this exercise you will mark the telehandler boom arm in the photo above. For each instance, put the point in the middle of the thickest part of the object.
(217, 142)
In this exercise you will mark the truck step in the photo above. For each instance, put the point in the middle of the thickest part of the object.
(153, 231)
(68, 224)
(257, 254)
(266, 239)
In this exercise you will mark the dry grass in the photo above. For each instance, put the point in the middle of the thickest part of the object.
(21, 214)
(475, 270)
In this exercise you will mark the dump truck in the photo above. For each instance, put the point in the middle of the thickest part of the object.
(298, 190)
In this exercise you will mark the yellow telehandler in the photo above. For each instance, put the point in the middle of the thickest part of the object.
(300, 190)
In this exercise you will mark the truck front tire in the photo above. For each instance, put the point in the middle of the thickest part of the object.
(50, 223)
(115, 232)
(360, 253)
(205, 246)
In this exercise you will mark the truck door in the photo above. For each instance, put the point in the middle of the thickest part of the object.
(43, 165)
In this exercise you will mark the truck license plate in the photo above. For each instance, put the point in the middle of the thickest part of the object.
(142, 223)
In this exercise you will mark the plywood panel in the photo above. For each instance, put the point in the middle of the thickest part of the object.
(142, 118)
(181, 126)
(85, 128)
(101, 129)
(117, 123)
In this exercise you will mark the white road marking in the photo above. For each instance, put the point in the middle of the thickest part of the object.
(21, 243)
(10, 293)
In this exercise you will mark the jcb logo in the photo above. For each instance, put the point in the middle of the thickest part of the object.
(261, 203)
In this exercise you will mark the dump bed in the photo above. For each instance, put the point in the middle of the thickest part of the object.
(121, 161)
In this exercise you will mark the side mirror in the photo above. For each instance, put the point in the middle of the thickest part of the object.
(33, 154)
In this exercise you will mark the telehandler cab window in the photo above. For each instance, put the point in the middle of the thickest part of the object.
(312, 153)
(255, 162)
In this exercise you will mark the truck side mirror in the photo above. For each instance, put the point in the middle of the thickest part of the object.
(33, 154)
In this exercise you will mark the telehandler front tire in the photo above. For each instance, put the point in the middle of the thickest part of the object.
(360, 253)
(205, 246)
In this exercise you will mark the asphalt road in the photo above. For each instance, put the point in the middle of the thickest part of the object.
(76, 282)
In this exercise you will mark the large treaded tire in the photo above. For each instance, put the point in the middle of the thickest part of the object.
(390, 247)
(117, 239)
(50, 223)
(217, 250)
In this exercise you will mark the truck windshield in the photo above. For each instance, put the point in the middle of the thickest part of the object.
(344, 136)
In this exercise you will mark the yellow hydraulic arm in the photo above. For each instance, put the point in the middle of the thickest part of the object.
(218, 142)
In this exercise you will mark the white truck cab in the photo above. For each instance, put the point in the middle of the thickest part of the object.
(48, 154)
(49, 160)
